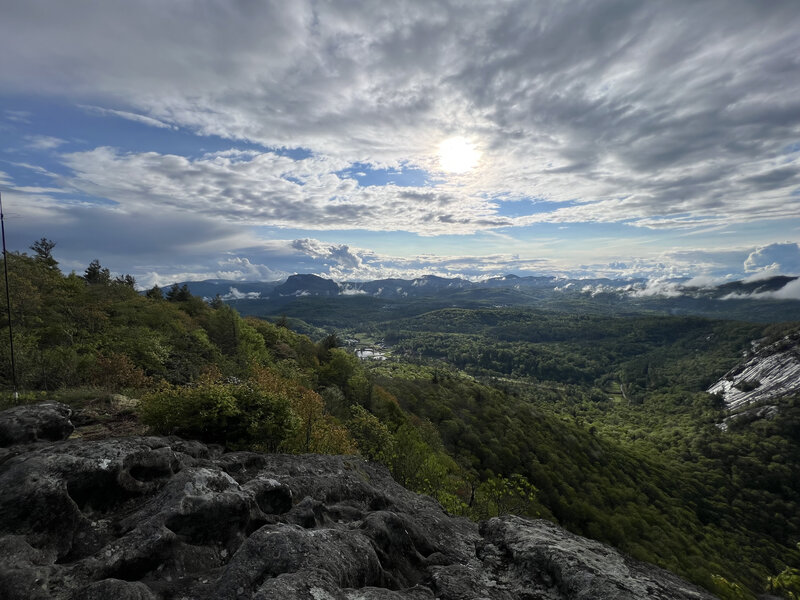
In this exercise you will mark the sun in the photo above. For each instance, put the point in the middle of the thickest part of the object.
(458, 155)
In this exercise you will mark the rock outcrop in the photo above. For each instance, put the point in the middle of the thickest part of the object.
(25, 423)
(753, 388)
(148, 518)
(769, 373)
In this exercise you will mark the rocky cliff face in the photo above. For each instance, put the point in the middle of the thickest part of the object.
(145, 518)
(767, 374)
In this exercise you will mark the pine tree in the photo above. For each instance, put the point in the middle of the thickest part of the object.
(44, 251)
(95, 274)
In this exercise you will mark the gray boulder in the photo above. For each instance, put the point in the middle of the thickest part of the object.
(152, 518)
(35, 422)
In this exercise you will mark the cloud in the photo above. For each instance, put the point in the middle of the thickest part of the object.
(348, 291)
(658, 287)
(267, 188)
(672, 118)
(790, 291)
(17, 116)
(241, 269)
(235, 268)
(43, 142)
(706, 281)
(773, 259)
(338, 253)
(123, 114)
(235, 294)
(344, 263)
(126, 239)
(670, 115)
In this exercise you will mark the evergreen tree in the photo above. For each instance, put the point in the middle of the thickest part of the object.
(126, 280)
(178, 293)
(97, 275)
(44, 251)
(155, 293)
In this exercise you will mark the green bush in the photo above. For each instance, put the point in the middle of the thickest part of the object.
(243, 415)
(506, 495)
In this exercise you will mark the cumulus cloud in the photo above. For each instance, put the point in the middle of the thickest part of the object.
(658, 287)
(658, 267)
(773, 259)
(338, 253)
(241, 269)
(664, 115)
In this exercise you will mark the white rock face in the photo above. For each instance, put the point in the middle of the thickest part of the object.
(772, 372)
(370, 354)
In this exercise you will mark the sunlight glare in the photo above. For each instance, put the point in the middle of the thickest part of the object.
(458, 155)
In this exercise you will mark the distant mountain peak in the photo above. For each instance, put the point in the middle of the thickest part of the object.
(306, 284)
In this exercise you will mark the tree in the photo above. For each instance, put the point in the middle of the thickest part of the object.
(96, 275)
(339, 368)
(373, 438)
(318, 432)
(223, 326)
(325, 346)
(178, 293)
(44, 251)
(126, 280)
(155, 293)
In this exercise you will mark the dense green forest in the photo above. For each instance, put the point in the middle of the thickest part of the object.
(598, 423)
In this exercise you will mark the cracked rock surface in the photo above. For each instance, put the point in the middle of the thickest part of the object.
(148, 518)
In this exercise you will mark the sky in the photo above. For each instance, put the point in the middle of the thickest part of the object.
(251, 140)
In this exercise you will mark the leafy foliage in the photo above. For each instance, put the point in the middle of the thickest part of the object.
(786, 583)
(236, 415)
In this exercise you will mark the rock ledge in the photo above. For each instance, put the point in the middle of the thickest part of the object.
(155, 518)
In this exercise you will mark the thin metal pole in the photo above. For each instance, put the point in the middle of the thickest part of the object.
(8, 300)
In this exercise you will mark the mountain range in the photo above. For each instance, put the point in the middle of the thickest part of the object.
(766, 300)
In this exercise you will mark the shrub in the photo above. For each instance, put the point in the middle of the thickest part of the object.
(116, 371)
(240, 415)
(506, 495)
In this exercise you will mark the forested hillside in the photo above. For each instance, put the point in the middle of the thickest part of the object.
(601, 424)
